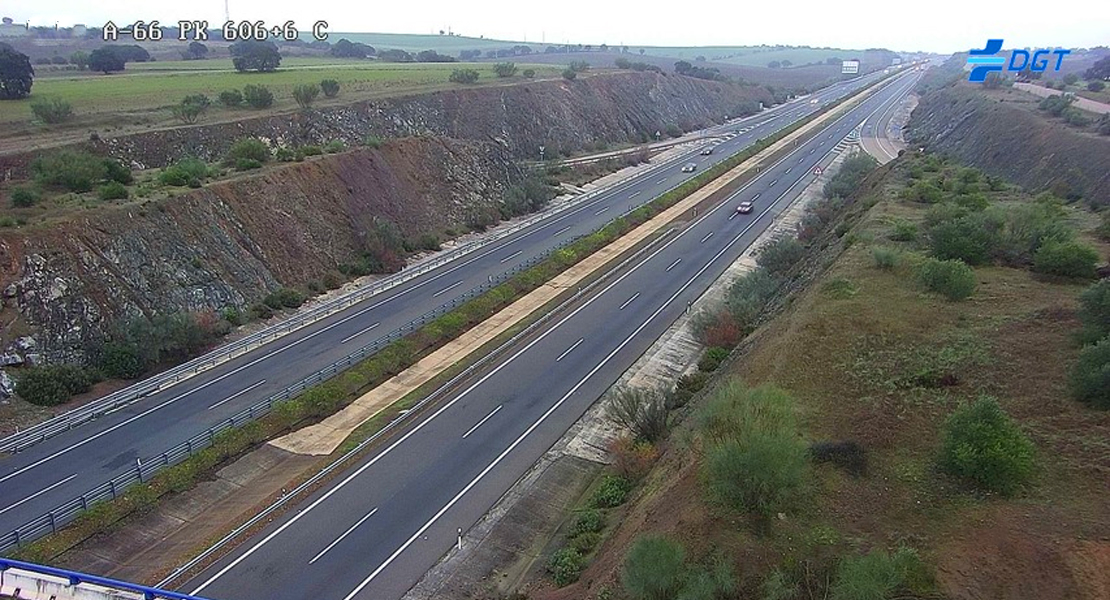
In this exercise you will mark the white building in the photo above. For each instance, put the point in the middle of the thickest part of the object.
(8, 29)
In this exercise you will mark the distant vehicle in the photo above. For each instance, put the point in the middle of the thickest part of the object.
(689, 167)
(814, 101)
(744, 208)
(707, 151)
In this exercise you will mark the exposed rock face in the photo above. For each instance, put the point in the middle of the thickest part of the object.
(563, 114)
(1011, 139)
(231, 243)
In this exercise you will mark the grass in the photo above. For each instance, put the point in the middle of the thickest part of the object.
(147, 87)
(755, 56)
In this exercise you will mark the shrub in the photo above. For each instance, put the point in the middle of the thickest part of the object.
(330, 87)
(1090, 378)
(258, 96)
(611, 493)
(780, 255)
(248, 149)
(284, 298)
(335, 146)
(565, 566)
(187, 171)
(51, 110)
(504, 69)
(904, 231)
(528, 73)
(982, 445)
(73, 170)
(465, 76)
(231, 98)
(632, 459)
(749, 295)
(1067, 259)
(53, 384)
(643, 412)
(113, 190)
(283, 154)
(305, 94)
(584, 542)
(246, 164)
(1095, 86)
(712, 359)
(589, 521)
(1074, 116)
(950, 278)
(569, 75)
(848, 177)
(312, 150)
(372, 141)
(718, 329)
(120, 360)
(261, 311)
(23, 196)
(970, 238)
(876, 575)
(654, 568)
(1094, 311)
(885, 258)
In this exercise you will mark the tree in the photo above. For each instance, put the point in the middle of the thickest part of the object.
(305, 94)
(258, 96)
(345, 48)
(1099, 71)
(80, 59)
(1095, 86)
(774, 64)
(1071, 79)
(395, 55)
(504, 69)
(787, 63)
(105, 60)
(330, 87)
(251, 55)
(463, 76)
(196, 51)
(16, 74)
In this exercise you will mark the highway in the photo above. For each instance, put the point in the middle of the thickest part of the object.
(375, 529)
(60, 468)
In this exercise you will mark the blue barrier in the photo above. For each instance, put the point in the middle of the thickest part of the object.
(76, 578)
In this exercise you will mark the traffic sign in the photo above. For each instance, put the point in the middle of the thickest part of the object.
(817, 171)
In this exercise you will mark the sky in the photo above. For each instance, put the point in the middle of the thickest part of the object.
(942, 26)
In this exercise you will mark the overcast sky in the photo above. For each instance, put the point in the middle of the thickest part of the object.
(939, 26)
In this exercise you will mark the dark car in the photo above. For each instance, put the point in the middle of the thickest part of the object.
(744, 208)
(707, 151)
(689, 167)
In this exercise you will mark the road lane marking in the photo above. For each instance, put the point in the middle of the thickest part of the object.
(447, 289)
(37, 494)
(355, 335)
(756, 197)
(676, 261)
(419, 426)
(568, 350)
(629, 301)
(511, 256)
(773, 183)
(634, 194)
(707, 236)
(601, 211)
(733, 215)
(236, 395)
(663, 180)
(561, 231)
(345, 534)
(479, 424)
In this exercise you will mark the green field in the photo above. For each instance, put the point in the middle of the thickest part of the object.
(754, 56)
(146, 88)
(412, 42)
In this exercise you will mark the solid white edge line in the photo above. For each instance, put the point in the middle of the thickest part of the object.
(37, 494)
(355, 335)
(236, 395)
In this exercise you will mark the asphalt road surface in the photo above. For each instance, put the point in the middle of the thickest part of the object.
(376, 529)
(61, 468)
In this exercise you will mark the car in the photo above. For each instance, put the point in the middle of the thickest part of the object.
(814, 101)
(707, 151)
(689, 167)
(744, 208)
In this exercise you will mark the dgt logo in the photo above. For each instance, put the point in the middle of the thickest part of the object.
(984, 61)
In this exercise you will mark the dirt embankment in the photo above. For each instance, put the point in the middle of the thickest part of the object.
(230, 243)
(563, 115)
(1005, 135)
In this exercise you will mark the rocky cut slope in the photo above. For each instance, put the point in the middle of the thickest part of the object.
(1003, 133)
(564, 115)
(230, 243)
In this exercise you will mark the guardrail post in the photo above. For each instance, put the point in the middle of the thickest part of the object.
(53, 527)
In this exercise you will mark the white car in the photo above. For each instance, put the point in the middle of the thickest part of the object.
(689, 167)
(744, 208)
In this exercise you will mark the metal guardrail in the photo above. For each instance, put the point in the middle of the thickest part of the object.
(37, 433)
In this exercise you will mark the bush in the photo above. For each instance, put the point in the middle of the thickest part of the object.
(780, 255)
(1090, 378)
(885, 258)
(611, 493)
(73, 170)
(113, 190)
(1095, 86)
(982, 445)
(504, 69)
(231, 98)
(187, 171)
(51, 110)
(654, 568)
(1065, 258)
(712, 359)
(141, 343)
(305, 94)
(904, 231)
(311, 150)
(749, 295)
(335, 146)
(632, 459)
(585, 542)
(283, 154)
(588, 521)
(372, 141)
(1094, 311)
(951, 278)
(642, 412)
(330, 87)
(248, 149)
(284, 298)
(528, 73)
(971, 238)
(246, 164)
(23, 197)
(119, 360)
(565, 566)
(718, 328)
(875, 575)
(569, 75)
(465, 76)
(53, 384)
(848, 177)
(258, 96)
